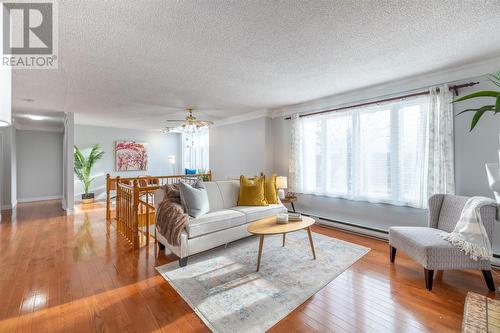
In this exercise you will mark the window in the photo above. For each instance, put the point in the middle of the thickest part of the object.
(195, 149)
(374, 153)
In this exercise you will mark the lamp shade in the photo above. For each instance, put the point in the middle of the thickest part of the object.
(171, 159)
(5, 97)
(281, 182)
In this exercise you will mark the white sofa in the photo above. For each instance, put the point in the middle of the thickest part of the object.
(224, 223)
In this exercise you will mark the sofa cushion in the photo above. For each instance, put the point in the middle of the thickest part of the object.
(427, 247)
(214, 221)
(254, 213)
(252, 191)
(190, 171)
(229, 190)
(194, 198)
(270, 190)
(214, 196)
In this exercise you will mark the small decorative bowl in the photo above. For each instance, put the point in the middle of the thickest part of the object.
(282, 218)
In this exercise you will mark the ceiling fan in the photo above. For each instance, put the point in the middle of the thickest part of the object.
(189, 125)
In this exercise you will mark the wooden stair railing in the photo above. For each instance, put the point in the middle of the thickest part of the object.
(134, 207)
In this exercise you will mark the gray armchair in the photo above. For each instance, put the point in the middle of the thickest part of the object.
(426, 245)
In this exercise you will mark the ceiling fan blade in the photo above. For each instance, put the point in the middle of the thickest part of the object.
(204, 122)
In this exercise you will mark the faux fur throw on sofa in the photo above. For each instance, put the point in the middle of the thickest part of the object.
(170, 218)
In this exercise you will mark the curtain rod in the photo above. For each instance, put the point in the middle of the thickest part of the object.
(454, 88)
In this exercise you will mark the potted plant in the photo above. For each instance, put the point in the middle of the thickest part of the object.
(495, 107)
(83, 167)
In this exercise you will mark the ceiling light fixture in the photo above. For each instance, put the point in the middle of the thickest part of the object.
(35, 117)
(190, 125)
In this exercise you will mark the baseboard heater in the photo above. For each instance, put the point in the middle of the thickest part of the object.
(352, 228)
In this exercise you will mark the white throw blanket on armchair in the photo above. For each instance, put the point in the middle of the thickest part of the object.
(469, 234)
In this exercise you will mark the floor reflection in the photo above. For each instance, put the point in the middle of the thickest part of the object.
(84, 242)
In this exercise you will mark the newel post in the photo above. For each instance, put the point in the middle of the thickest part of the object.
(108, 199)
(135, 215)
(118, 203)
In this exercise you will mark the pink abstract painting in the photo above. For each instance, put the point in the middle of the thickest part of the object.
(131, 156)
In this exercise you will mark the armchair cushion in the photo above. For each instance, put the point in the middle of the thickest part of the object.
(427, 247)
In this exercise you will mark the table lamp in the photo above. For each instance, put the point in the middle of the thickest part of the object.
(281, 184)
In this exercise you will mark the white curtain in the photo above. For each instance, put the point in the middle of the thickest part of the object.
(195, 151)
(296, 156)
(440, 164)
(397, 152)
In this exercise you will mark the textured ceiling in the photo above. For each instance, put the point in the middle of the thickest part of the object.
(133, 63)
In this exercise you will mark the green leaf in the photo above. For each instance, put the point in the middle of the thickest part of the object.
(495, 82)
(83, 166)
(484, 108)
(496, 76)
(497, 105)
(475, 119)
(485, 93)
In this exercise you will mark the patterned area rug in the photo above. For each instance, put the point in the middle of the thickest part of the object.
(226, 292)
(481, 314)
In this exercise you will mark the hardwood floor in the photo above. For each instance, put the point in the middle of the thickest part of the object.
(73, 273)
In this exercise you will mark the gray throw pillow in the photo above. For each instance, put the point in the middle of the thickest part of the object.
(194, 198)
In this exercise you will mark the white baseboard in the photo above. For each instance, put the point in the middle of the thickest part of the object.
(33, 199)
(9, 206)
(495, 262)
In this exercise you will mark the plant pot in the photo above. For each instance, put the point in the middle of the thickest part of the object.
(88, 198)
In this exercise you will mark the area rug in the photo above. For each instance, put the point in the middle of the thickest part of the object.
(481, 314)
(224, 289)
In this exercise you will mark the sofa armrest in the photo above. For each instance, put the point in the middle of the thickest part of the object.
(159, 194)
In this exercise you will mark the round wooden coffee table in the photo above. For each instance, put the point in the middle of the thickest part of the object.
(269, 226)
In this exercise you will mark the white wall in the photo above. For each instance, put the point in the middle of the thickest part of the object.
(243, 148)
(159, 147)
(39, 165)
(8, 170)
(474, 149)
(5, 93)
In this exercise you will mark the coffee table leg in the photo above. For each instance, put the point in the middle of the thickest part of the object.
(284, 240)
(261, 242)
(311, 241)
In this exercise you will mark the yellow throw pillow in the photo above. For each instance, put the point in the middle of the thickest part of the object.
(252, 192)
(270, 190)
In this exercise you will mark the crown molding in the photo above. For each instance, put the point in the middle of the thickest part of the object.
(244, 117)
(403, 85)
